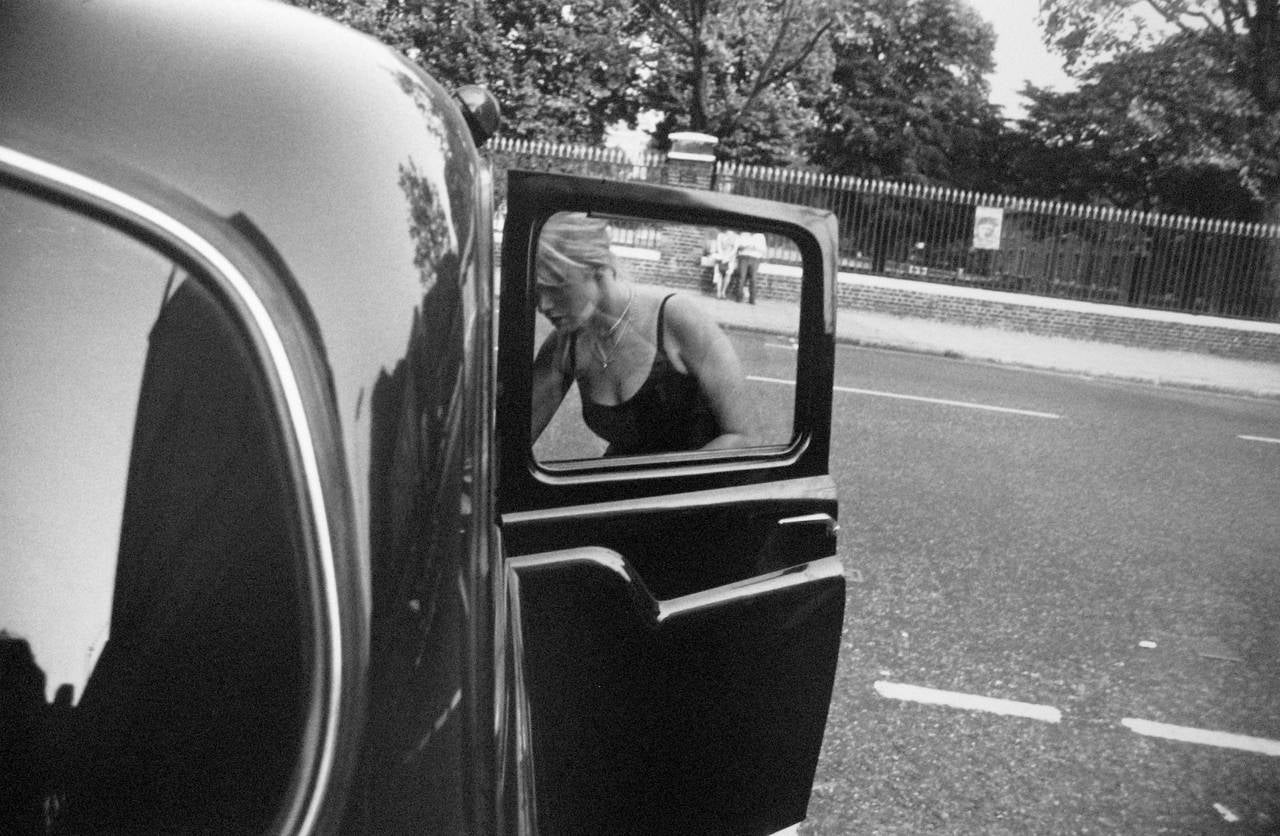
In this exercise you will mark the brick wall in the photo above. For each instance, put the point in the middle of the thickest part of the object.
(1062, 318)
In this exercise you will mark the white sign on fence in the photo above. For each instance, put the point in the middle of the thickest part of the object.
(987, 221)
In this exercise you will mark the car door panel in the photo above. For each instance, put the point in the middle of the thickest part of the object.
(686, 543)
(675, 619)
(631, 730)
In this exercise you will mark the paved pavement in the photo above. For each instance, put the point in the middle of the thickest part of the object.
(1092, 359)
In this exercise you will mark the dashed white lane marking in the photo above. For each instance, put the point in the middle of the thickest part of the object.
(944, 402)
(1261, 438)
(955, 699)
(1049, 714)
(920, 399)
(1186, 734)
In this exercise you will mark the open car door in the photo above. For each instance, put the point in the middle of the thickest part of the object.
(673, 618)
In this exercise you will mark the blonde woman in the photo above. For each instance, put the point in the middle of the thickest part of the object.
(654, 373)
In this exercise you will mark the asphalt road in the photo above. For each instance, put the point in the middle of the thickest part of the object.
(1102, 556)
(1068, 618)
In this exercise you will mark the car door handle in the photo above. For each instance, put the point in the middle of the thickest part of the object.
(824, 521)
(798, 540)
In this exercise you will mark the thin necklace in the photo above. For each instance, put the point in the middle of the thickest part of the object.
(606, 358)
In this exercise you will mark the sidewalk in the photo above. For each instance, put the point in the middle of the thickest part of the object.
(1091, 359)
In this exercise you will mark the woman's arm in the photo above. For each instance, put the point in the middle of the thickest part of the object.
(697, 346)
(551, 380)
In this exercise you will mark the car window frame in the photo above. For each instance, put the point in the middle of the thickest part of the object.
(532, 197)
(287, 360)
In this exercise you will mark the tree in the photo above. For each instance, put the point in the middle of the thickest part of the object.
(389, 21)
(1243, 34)
(1218, 106)
(566, 70)
(559, 70)
(1147, 130)
(908, 99)
(741, 71)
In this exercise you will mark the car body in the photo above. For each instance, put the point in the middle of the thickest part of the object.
(277, 554)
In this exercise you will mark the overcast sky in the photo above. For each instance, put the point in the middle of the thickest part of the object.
(1020, 53)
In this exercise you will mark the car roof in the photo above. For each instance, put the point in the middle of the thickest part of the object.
(352, 165)
(245, 106)
(214, 97)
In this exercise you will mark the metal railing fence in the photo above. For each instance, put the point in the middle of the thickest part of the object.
(1049, 248)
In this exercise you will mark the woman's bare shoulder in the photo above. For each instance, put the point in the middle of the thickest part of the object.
(686, 314)
(692, 334)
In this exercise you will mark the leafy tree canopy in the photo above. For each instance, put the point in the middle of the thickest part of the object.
(1159, 129)
(1201, 77)
(745, 72)
(559, 70)
(1244, 35)
(566, 70)
(909, 100)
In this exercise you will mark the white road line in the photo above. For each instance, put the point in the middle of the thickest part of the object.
(1261, 438)
(1186, 734)
(1049, 714)
(972, 702)
(939, 401)
(944, 402)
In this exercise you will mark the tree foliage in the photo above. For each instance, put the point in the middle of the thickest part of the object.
(559, 70)
(890, 88)
(1202, 79)
(908, 98)
(389, 21)
(1158, 129)
(745, 72)
(1243, 35)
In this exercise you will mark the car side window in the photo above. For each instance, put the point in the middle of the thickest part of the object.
(656, 337)
(152, 642)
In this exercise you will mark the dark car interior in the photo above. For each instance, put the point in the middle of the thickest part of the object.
(195, 711)
(193, 717)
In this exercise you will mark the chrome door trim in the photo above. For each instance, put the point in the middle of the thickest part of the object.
(815, 570)
(805, 487)
(221, 267)
(657, 611)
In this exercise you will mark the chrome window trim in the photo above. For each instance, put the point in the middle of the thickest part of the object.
(820, 487)
(526, 807)
(668, 465)
(235, 280)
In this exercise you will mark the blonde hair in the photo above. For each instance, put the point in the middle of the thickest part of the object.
(570, 243)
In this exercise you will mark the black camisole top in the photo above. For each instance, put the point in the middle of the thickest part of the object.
(667, 413)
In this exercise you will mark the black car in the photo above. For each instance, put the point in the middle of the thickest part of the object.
(278, 551)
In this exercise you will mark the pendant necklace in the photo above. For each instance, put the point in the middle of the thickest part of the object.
(615, 331)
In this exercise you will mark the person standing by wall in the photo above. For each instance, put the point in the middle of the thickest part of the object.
(724, 252)
(752, 248)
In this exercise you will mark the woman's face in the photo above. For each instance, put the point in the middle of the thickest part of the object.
(568, 301)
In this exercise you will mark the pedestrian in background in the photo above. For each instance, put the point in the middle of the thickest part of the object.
(752, 248)
(724, 254)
